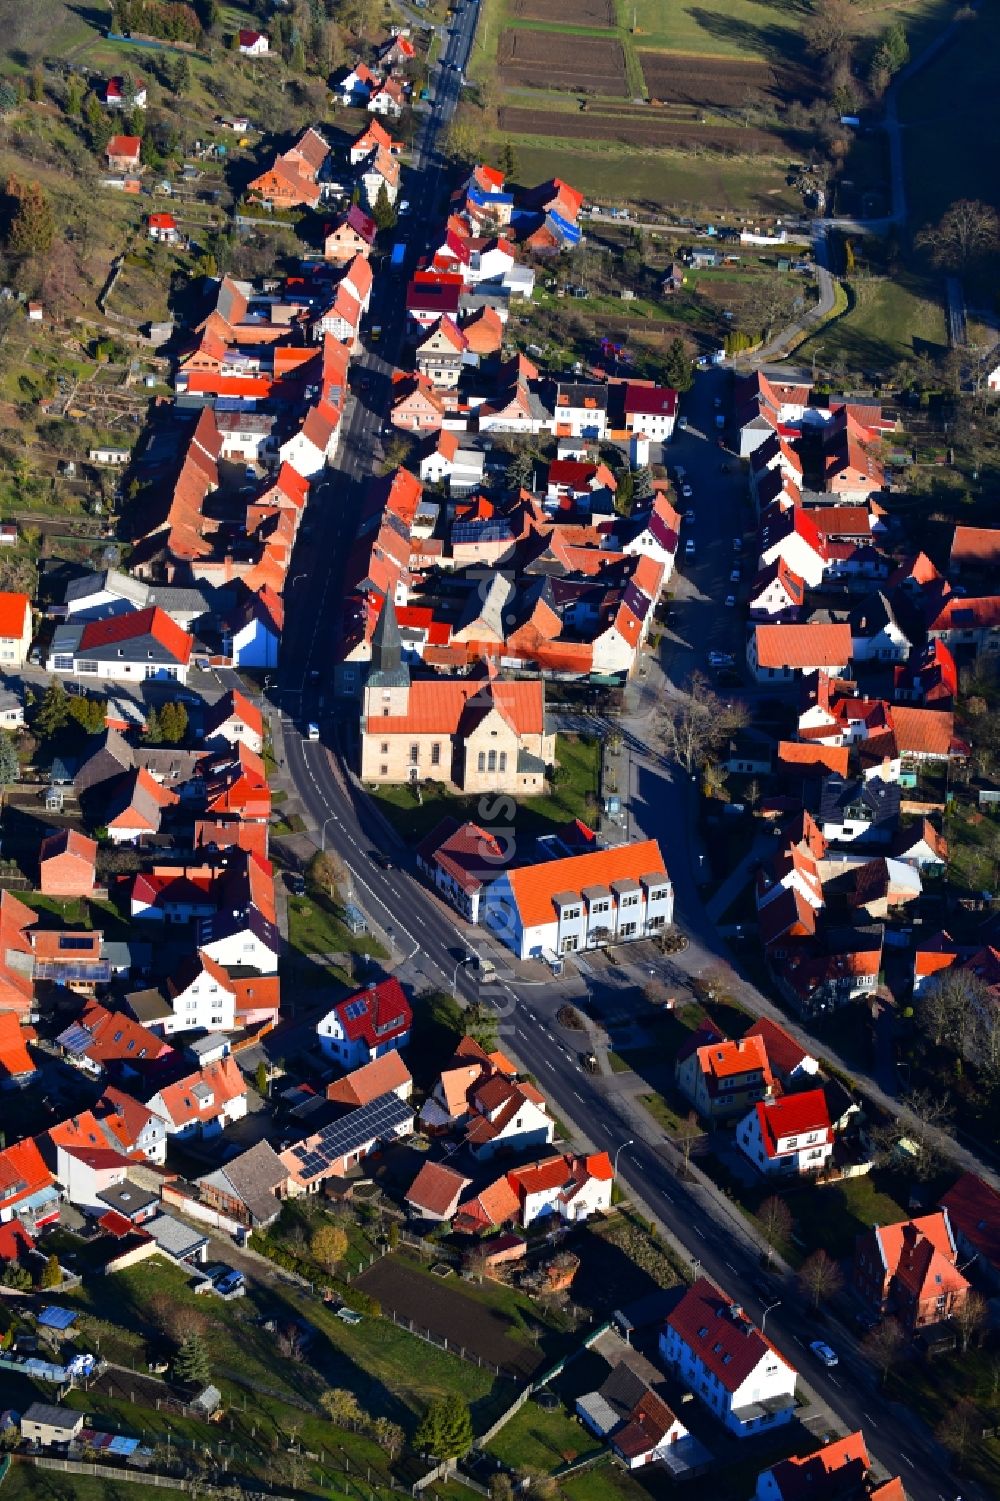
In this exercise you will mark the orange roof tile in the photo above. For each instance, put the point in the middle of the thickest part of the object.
(381, 1076)
(798, 646)
(14, 1056)
(833, 758)
(15, 610)
(534, 886)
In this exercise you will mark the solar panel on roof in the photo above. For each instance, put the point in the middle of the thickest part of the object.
(354, 1009)
(68, 941)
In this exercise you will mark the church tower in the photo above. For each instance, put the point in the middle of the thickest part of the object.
(387, 690)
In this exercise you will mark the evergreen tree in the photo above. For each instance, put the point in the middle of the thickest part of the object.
(508, 160)
(33, 227)
(52, 1275)
(153, 731)
(677, 366)
(180, 75)
(191, 1363)
(10, 767)
(74, 96)
(36, 88)
(53, 712)
(173, 723)
(445, 1430)
(384, 213)
(260, 1079)
(88, 713)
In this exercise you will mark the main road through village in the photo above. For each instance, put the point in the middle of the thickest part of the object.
(427, 938)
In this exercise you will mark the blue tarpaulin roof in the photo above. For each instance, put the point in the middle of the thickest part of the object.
(562, 227)
(57, 1318)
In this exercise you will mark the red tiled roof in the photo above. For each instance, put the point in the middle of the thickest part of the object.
(14, 610)
(727, 1344)
(382, 1076)
(14, 1056)
(131, 627)
(830, 1473)
(792, 1115)
(833, 758)
(977, 546)
(798, 646)
(721, 1060)
(386, 1014)
(436, 1188)
(783, 1052)
(973, 1207)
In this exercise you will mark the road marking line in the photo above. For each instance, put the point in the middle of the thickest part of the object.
(699, 1231)
(909, 1461)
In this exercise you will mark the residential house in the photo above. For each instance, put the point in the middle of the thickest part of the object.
(102, 1041)
(777, 593)
(15, 630)
(792, 535)
(778, 653)
(338, 1148)
(584, 901)
(921, 845)
(253, 44)
(123, 153)
(352, 235)
(50, 1426)
(118, 96)
(233, 720)
(721, 1078)
(790, 1063)
(17, 1067)
(839, 1470)
(440, 355)
(162, 227)
(355, 86)
(388, 100)
(442, 459)
(200, 995)
(435, 1192)
(506, 1116)
(571, 1188)
(876, 634)
(67, 864)
(629, 1415)
(385, 1075)
(143, 1133)
(910, 1270)
(650, 409)
(975, 550)
(366, 1025)
(969, 627)
(580, 410)
(973, 1209)
(460, 861)
(203, 1102)
(728, 1363)
(249, 1188)
(789, 1135)
(858, 811)
(27, 1187)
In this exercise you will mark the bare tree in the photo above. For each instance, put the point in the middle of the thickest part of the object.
(946, 1008)
(342, 1407)
(966, 231)
(921, 1130)
(882, 1346)
(831, 27)
(696, 723)
(775, 1220)
(971, 1317)
(178, 1321)
(957, 1430)
(686, 1134)
(327, 872)
(820, 1277)
(389, 1436)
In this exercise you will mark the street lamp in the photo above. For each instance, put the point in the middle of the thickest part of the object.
(766, 1312)
(466, 960)
(322, 837)
(614, 1165)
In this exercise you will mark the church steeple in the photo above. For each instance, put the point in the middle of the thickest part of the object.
(387, 689)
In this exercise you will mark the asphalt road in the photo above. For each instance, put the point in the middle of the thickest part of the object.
(429, 939)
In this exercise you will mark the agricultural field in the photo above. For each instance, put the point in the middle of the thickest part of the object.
(719, 83)
(543, 59)
(587, 13)
(638, 127)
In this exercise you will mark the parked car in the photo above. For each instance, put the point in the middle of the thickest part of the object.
(721, 659)
(689, 516)
(384, 862)
(312, 733)
(295, 882)
(687, 492)
(736, 574)
(730, 601)
(689, 548)
(682, 423)
(823, 1352)
(228, 1282)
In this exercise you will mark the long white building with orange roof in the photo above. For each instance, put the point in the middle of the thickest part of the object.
(583, 902)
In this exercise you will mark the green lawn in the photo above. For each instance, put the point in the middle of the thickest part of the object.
(414, 813)
(937, 1387)
(542, 1439)
(661, 1112)
(315, 927)
(833, 1215)
(731, 28)
(889, 321)
(26, 1482)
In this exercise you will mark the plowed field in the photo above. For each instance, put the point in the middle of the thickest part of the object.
(583, 13)
(553, 59)
(646, 129)
(717, 82)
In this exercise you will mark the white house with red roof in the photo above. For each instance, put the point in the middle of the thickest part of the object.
(366, 1024)
(388, 100)
(841, 1470)
(115, 94)
(572, 1188)
(650, 409)
(461, 860)
(163, 229)
(254, 44)
(234, 720)
(15, 630)
(789, 1135)
(727, 1362)
(27, 1186)
(792, 535)
(778, 653)
(203, 1102)
(790, 1063)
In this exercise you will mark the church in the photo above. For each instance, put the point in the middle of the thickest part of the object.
(477, 733)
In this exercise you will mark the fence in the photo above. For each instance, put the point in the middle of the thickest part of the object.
(141, 1477)
(442, 1343)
